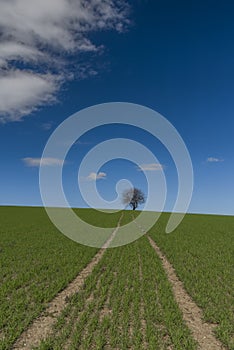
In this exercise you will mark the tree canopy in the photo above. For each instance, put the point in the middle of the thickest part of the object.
(133, 197)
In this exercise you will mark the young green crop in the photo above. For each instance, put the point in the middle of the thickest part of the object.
(201, 250)
(36, 262)
(126, 303)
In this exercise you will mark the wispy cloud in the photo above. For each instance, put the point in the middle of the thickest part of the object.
(23, 92)
(214, 160)
(83, 143)
(46, 37)
(47, 126)
(151, 167)
(36, 162)
(96, 176)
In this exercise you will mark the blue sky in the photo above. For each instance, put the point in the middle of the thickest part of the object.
(176, 57)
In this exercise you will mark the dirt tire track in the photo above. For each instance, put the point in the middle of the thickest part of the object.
(41, 327)
(142, 308)
(192, 314)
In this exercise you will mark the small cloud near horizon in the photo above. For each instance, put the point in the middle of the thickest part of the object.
(36, 162)
(151, 167)
(47, 126)
(214, 160)
(82, 143)
(96, 176)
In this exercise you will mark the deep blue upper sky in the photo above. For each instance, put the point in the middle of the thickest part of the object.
(176, 57)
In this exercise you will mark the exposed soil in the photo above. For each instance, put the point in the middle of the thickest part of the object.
(142, 309)
(41, 327)
(192, 314)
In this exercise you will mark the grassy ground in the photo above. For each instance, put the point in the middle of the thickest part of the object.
(127, 301)
(202, 252)
(36, 261)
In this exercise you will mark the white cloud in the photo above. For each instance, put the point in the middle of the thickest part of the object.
(96, 176)
(23, 92)
(82, 143)
(36, 162)
(47, 126)
(41, 35)
(151, 167)
(13, 51)
(214, 160)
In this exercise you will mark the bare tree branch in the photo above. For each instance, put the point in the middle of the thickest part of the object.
(133, 197)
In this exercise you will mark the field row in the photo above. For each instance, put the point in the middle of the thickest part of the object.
(36, 262)
(127, 301)
(202, 253)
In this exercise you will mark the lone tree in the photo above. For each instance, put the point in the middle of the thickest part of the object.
(133, 197)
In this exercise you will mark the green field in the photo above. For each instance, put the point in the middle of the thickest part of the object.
(127, 301)
(202, 252)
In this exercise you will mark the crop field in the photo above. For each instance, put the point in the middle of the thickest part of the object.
(202, 252)
(126, 301)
